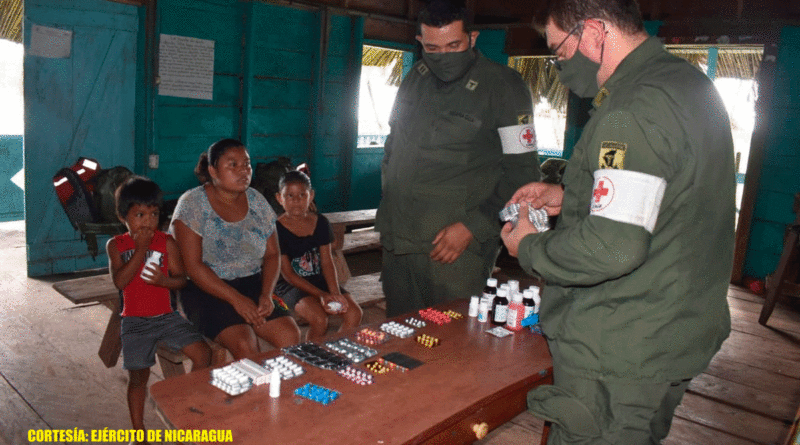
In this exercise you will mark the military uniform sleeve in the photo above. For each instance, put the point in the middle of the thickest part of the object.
(511, 105)
(605, 244)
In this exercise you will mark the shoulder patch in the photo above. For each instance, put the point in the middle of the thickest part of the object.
(422, 69)
(600, 97)
(524, 119)
(612, 155)
(472, 84)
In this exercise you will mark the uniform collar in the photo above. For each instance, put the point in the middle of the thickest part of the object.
(632, 64)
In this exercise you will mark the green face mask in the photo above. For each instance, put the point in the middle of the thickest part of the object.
(579, 74)
(449, 66)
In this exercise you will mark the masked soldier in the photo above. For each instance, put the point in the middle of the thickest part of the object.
(445, 173)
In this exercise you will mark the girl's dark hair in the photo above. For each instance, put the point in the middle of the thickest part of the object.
(211, 157)
(297, 177)
(137, 190)
(294, 177)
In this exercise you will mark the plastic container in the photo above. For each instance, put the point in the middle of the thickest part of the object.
(516, 312)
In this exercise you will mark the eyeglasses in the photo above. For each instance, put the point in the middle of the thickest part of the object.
(575, 28)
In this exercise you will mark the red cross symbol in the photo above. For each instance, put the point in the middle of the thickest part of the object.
(528, 135)
(599, 192)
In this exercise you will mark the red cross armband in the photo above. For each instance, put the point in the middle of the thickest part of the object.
(517, 139)
(627, 196)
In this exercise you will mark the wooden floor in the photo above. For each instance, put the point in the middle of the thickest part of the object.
(51, 377)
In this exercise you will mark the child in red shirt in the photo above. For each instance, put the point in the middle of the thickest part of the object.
(145, 265)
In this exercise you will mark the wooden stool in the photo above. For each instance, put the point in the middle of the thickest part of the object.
(785, 278)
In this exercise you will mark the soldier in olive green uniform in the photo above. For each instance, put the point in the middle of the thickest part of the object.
(637, 268)
(445, 173)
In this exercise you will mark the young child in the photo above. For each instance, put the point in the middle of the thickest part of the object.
(308, 282)
(145, 265)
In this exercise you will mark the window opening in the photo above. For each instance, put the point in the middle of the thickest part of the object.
(382, 69)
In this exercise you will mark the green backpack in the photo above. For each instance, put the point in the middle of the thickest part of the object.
(106, 183)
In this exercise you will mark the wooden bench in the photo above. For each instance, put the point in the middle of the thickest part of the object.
(101, 289)
(340, 222)
(365, 289)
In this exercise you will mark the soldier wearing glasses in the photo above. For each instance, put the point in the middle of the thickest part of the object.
(639, 262)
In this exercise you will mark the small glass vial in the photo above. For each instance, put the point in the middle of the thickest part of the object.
(528, 303)
(489, 292)
(500, 307)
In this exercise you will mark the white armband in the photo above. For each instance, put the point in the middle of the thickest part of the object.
(628, 197)
(517, 139)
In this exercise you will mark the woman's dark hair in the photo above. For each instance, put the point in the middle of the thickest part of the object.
(137, 190)
(211, 157)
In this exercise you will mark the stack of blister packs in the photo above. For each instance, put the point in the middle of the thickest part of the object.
(538, 217)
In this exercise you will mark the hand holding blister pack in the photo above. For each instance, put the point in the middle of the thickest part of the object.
(537, 217)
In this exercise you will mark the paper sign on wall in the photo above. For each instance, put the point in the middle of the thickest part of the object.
(50, 42)
(186, 67)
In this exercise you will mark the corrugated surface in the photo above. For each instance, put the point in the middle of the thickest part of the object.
(11, 20)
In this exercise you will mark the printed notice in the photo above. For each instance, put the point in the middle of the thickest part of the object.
(186, 67)
(50, 42)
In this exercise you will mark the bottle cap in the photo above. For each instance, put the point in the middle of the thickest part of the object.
(502, 292)
(513, 284)
(491, 282)
(527, 294)
(517, 297)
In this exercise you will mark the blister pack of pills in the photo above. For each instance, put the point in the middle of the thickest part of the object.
(317, 393)
(397, 329)
(231, 380)
(352, 350)
(538, 217)
(316, 355)
(287, 368)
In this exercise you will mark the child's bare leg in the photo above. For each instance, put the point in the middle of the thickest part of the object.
(137, 394)
(351, 318)
(279, 332)
(310, 308)
(199, 353)
(239, 340)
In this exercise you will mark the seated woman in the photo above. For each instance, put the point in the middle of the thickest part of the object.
(226, 234)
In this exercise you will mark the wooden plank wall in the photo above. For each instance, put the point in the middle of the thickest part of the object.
(82, 105)
(779, 180)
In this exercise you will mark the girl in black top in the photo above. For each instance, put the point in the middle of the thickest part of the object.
(308, 282)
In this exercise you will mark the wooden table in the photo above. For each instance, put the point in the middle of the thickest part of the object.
(472, 381)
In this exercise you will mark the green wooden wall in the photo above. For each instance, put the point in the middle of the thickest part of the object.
(11, 196)
(272, 90)
(82, 105)
(780, 174)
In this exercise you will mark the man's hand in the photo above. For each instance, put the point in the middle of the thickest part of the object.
(512, 236)
(538, 195)
(450, 243)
